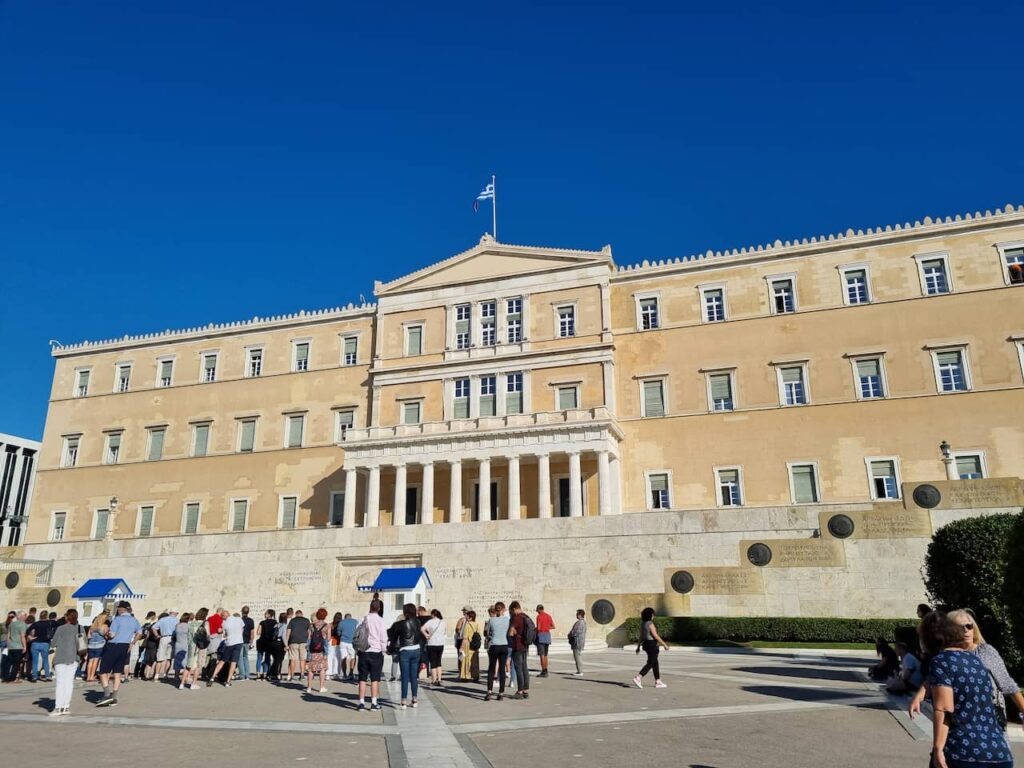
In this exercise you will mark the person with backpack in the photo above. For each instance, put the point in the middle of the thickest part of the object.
(522, 633)
(578, 640)
(469, 667)
(370, 642)
(319, 645)
(231, 649)
(39, 634)
(404, 638)
(198, 642)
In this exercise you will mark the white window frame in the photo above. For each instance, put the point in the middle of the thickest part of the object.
(792, 486)
(138, 520)
(982, 461)
(880, 357)
(403, 403)
(942, 256)
(280, 511)
(638, 300)
(249, 352)
(330, 509)
(344, 338)
(78, 377)
(739, 484)
(495, 378)
(149, 441)
(505, 392)
(731, 373)
(255, 433)
(663, 379)
(287, 424)
(106, 446)
(308, 341)
(805, 377)
(337, 422)
(489, 321)
(215, 354)
(231, 513)
(771, 280)
(556, 311)
(159, 367)
(703, 290)
(964, 361)
(65, 451)
(559, 386)
(117, 376)
(52, 533)
(844, 270)
(508, 318)
(1020, 353)
(209, 434)
(649, 492)
(184, 518)
(1002, 248)
(406, 327)
(96, 522)
(896, 473)
(455, 325)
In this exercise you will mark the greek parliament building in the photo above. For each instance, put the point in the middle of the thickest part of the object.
(754, 431)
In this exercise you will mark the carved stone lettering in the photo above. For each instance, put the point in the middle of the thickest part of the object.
(803, 553)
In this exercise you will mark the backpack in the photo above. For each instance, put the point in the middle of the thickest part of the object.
(316, 640)
(201, 638)
(529, 630)
(474, 642)
(361, 639)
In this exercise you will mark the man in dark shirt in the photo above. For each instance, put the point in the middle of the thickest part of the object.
(296, 635)
(247, 633)
(39, 634)
(517, 642)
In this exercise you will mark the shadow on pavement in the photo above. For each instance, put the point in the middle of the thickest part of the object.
(802, 694)
(803, 672)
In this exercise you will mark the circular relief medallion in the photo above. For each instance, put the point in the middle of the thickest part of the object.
(682, 582)
(927, 496)
(603, 611)
(840, 526)
(53, 597)
(12, 579)
(759, 554)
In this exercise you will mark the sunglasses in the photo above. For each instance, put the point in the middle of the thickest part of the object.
(967, 627)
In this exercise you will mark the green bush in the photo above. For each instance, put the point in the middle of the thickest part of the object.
(1013, 584)
(966, 567)
(772, 628)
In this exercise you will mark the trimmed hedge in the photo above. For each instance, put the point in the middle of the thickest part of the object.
(1013, 586)
(772, 628)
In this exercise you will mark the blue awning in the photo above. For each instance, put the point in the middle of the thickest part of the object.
(398, 580)
(98, 589)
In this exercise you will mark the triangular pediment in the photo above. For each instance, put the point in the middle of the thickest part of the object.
(491, 260)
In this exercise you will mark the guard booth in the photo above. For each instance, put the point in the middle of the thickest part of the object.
(98, 595)
(398, 586)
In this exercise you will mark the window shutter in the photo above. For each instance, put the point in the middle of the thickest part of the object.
(882, 469)
(59, 522)
(295, 431)
(654, 398)
(867, 368)
(803, 483)
(165, 369)
(461, 408)
(102, 517)
(146, 521)
(792, 375)
(238, 518)
(288, 512)
(156, 444)
(202, 439)
(83, 379)
(337, 508)
(514, 402)
(659, 483)
(350, 347)
(210, 362)
(720, 386)
(191, 518)
(115, 443)
(728, 476)
(462, 326)
(415, 340)
(346, 420)
(248, 435)
(968, 465)
(949, 358)
(567, 398)
(302, 353)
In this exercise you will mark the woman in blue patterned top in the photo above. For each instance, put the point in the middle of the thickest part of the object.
(966, 732)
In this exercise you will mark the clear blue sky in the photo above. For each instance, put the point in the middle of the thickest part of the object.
(172, 163)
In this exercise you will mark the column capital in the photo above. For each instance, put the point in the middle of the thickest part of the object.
(427, 463)
(454, 461)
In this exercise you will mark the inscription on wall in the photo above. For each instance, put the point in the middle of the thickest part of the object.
(885, 521)
(801, 553)
(724, 580)
(975, 494)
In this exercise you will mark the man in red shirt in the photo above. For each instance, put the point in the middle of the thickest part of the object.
(544, 626)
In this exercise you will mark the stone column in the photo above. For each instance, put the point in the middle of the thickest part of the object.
(349, 516)
(427, 510)
(616, 484)
(543, 485)
(398, 512)
(575, 479)
(513, 488)
(604, 491)
(373, 498)
(455, 493)
(484, 494)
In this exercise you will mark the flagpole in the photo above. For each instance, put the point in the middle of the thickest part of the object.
(494, 206)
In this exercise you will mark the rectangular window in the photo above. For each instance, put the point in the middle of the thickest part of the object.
(649, 314)
(1014, 258)
(191, 517)
(513, 393)
(124, 377)
(289, 508)
(969, 466)
(146, 520)
(255, 363)
(783, 296)
(568, 398)
(200, 439)
(488, 318)
(488, 395)
(210, 367)
(460, 409)
(659, 495)
(566, 321)
(337, 508)
(166, 373)
(82, 384)
(102, 521)
(60, 521)
(720, 391)
(714, 305)
(411, 412)
(414, 340)
(884, 483)
(71, 450)
(794, 385)
(729, 493)
(301, 361)
(951, 371)
(653, 398)
(514, 319)
(293, 433)
(346, 420)
(239, 514)
(350, 349)
(936, 280)
(462, 333)
(246, 435)
(804, 482)
(855, 282)
(113, 450)
(869, 378)
(156, 444)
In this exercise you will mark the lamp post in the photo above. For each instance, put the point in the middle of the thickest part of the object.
(948, 460)
(113, 519)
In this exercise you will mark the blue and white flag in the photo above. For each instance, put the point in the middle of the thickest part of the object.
(487, 194)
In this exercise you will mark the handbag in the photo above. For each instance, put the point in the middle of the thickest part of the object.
(82, 643)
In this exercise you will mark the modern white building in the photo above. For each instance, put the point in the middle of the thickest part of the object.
(17, 477)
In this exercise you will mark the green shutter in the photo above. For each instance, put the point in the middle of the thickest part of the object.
(288, 512)
(728, 476)
(461, 408)
(165, 369)
(202, 439)
(804, 488)
(295, 431)
(350, 347)
(659, 483)
(411, 413)
(462, 326)
(567, 399)
(192, 517)
(102, 518)
(415, 340)
(882, 469)
(792, 375)
(867, 368)
(145, 521)
(513, 402)
(487, 405)
(968, 466)
(720, 386)
(210, 363)
(301, 353)
(238, 516)
(654, 398)
(949, 358)
(156, 444)
(248, 440)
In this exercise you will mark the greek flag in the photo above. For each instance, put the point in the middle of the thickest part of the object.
(487, 194)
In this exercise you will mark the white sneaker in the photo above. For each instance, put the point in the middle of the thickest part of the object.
(577, 674)
(323, 690)
(309, 690)
(659, 684)
(638, 682)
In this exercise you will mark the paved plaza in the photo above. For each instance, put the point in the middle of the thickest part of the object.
(722, 709)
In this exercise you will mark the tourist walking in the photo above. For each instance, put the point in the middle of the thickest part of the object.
(296, 638)
(522, 633)
(123, 632)
(319, 645)
(346, 632)
(993, 661)
(17, 630)
(651, 643)
(966, 727)
(405, 634)
(266, 633)
(231, 649)
(39, 634)
(497, 650)
(248, 628)
(469, 665)
(370, 642)
(65, 662)
(578, 640)
(545, 623)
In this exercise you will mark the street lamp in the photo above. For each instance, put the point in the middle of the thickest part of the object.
(947, 458)
(113, 518)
